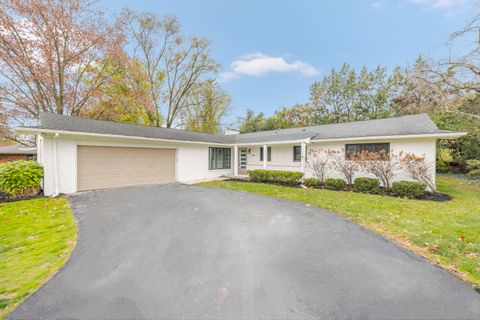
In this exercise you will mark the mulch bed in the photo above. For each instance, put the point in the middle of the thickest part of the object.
(5, 198)
(438, 197)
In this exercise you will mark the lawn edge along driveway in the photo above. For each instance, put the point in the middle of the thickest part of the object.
(445, 233)
(37, 238)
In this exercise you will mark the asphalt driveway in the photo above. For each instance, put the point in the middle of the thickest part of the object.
(177, 251)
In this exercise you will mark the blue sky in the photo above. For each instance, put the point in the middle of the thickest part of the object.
(271, 51)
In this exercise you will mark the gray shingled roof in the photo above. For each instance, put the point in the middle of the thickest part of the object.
(407, 125)
(77, 124)
(18, 149)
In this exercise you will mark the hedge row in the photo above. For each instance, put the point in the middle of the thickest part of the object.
(365, 185)
(275, 176)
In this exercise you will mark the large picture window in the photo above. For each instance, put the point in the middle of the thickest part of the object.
(219, 158)
(381, 148)
(269, 154)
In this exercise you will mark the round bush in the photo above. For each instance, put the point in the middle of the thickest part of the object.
(335, 184)
(20, 178)
(312, 182)
(409, 189)
(367, 185)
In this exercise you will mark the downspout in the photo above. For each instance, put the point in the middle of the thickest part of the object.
(55, 167)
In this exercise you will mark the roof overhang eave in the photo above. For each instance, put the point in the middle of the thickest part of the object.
(244, 144)
(36, 131)
(440, 135)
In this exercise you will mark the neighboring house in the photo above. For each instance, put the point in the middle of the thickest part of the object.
(17, 152)
(81, 154)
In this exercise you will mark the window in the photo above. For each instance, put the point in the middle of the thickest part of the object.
(297, 153)
(352, 149)
(219, 158)
(269, 154)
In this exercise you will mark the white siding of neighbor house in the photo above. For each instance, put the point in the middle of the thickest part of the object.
(191, 163)
(282, 155)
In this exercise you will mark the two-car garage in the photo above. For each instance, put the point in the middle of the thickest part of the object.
(112, 167)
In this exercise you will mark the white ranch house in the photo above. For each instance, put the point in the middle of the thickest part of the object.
(81, 154)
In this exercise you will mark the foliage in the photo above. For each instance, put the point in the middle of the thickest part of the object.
(444, 159)
(47, 48)
(419, 93)
(20, 178)
(381, 165)
(312, 182)
(464, 148)
(473, 167)
(346, 167)
(318, 161)
(252, 122)
(298, 116)
(275, 176)
(409, 189)
(367, 185)
(446, 233)
(123, 97)
(419, 169)
(36, 239)
(335, 184)
(341, 96)
(207, 105)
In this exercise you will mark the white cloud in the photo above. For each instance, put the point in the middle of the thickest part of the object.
(379, 5)
(441, 4)
(257, 64)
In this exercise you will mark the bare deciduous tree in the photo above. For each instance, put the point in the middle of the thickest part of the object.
(318, 161)
(419, 169)
(348, 167)
(47, 48)
(174, 63)
(381, 165)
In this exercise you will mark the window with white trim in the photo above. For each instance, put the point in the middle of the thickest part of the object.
(379, 148)
(297, 153)
(269, 154)
(219, 158)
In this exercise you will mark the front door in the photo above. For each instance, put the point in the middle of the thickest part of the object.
(242, 161)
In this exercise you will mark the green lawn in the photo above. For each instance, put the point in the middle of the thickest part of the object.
(446, 233)
(36, 238)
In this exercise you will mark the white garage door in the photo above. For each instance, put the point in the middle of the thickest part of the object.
(111, 167)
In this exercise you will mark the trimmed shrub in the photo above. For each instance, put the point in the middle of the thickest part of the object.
(473, 167)
(312, 182)
(335, 184)
(275, 176)
(20, 178)
(409, 189)
(367, 185)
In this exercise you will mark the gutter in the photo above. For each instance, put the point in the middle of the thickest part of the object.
(440, 135)
(55, 167)
(23, 130)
